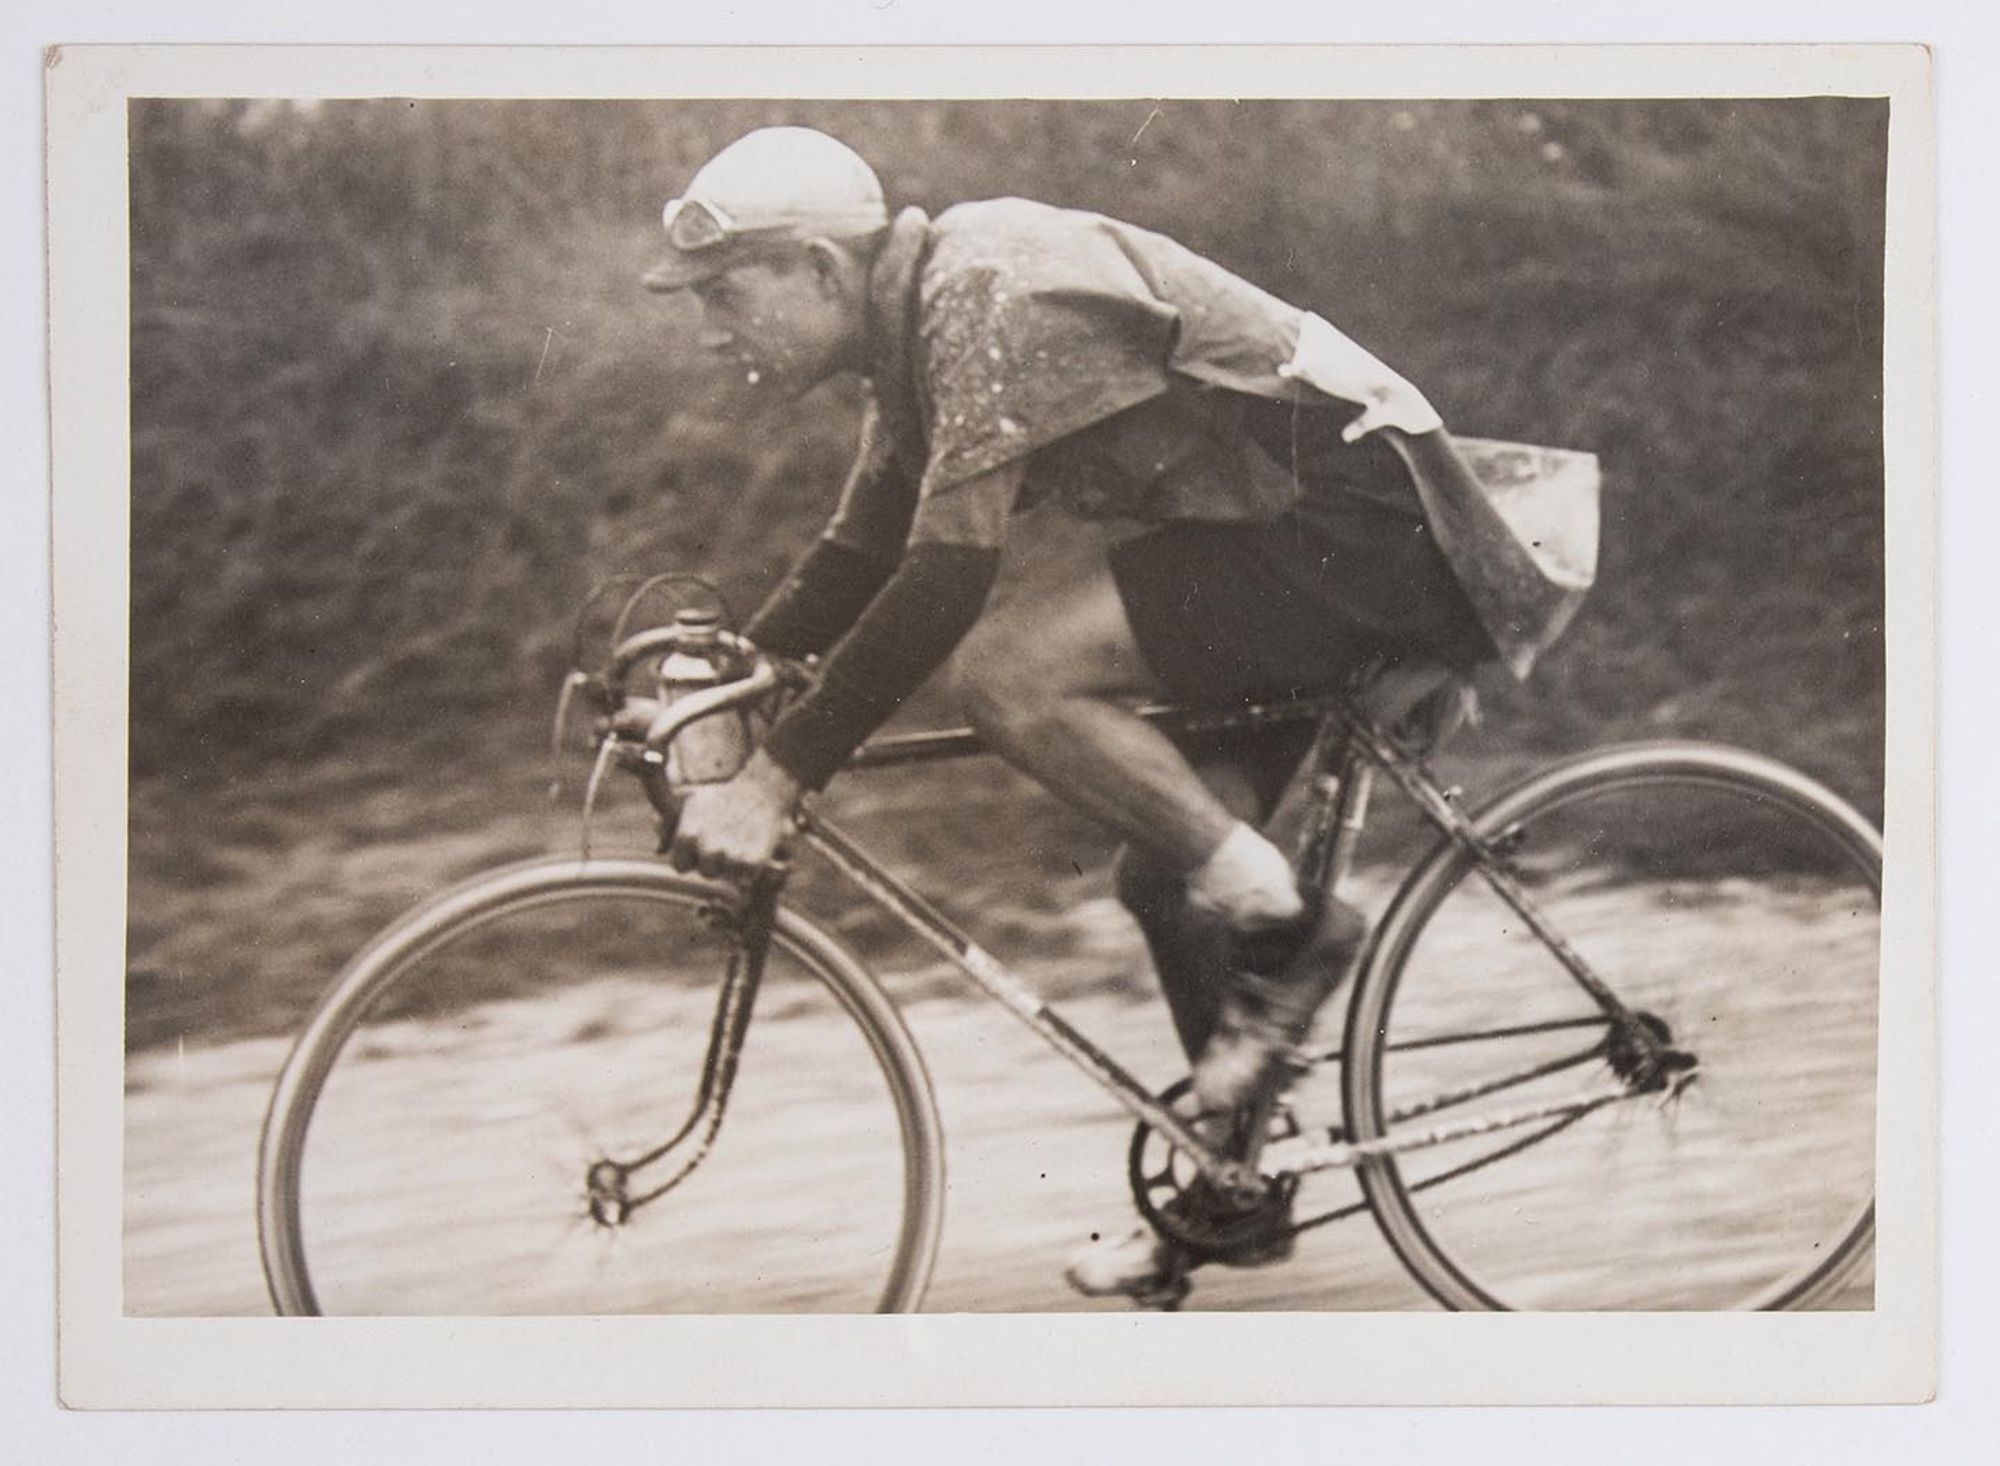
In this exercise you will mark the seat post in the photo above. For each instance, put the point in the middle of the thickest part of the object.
(1354, 791)
(1336, 806)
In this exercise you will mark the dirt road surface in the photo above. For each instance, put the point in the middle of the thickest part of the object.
(462, 1196)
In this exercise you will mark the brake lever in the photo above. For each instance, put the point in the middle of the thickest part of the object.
(563, 701)
(606, 752)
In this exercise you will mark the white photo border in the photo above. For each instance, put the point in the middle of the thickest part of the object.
(109, 1359)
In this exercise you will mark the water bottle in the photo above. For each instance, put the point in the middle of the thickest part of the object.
(711, 749)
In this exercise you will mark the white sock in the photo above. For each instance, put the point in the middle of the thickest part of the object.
(1247, 881)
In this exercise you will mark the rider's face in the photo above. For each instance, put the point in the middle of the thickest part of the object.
(782, 322)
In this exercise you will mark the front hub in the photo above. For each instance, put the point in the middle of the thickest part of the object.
(609, 1198)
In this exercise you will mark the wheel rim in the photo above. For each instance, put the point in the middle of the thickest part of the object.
(1714, 1243)
(504, 1099)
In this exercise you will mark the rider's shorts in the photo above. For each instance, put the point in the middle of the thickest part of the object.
(1227, 612)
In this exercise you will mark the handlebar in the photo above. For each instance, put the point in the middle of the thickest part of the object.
(634, 731)
(677, 715)
(660, 639)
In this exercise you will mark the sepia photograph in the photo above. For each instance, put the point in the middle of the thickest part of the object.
(768, 704)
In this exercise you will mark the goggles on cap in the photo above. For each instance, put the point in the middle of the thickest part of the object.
(695, 224)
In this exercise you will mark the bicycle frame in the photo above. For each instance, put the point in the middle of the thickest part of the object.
(1346, 751)
(1522, 840)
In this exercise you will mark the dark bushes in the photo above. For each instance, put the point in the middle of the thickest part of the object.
(397, 398)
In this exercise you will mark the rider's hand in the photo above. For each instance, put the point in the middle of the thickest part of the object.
(733, 830)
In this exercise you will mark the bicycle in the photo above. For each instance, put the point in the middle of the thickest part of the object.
(1707, 918)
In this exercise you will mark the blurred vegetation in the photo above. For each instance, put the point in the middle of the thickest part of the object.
(398, 399)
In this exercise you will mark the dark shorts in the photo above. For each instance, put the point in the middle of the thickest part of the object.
(1233, 612)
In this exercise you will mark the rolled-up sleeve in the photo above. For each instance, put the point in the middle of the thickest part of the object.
(973, 515)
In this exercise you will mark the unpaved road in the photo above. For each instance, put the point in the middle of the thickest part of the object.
(1035, 1153)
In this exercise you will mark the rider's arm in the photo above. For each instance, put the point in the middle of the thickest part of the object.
(819, 599)
(907, 631)
(829, 587)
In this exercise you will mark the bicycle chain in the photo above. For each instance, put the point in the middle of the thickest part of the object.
(1252, 1229)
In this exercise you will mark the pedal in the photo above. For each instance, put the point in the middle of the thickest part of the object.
(1166, 1295)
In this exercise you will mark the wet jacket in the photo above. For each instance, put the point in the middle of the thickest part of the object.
(1113, 359)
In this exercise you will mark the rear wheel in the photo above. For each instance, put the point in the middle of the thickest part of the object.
(430, 1139)
(1731, 900)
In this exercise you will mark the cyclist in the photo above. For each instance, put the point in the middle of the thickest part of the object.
(1095, 467)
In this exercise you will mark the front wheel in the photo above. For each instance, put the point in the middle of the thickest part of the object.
(1734, 903)
(430, 1141)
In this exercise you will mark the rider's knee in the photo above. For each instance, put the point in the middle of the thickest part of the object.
(972, 689)
(999, 690)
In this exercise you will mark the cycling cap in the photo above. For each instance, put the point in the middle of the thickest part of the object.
(778, 183)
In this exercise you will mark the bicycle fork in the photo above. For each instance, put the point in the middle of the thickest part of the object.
(608, 1183)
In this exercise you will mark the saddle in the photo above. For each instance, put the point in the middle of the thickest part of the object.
(1417, 704)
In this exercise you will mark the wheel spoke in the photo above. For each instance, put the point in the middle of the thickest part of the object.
(1733, 906)
(1465, 1094)
(561, 1001)
(1488, 1035)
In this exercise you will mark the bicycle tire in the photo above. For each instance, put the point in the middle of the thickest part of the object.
(1811, 866)
(456, 926)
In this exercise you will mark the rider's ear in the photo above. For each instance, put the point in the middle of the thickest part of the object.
(831, 265)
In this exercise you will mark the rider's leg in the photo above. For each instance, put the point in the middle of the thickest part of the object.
(1046, 677)
(1192, 949)
(1190, 945)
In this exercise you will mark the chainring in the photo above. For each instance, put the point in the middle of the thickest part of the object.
(1185, 1208)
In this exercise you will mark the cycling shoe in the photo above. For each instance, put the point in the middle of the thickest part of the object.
(1279, 982)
